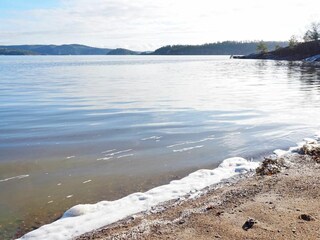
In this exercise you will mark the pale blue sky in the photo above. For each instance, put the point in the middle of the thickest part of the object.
(27, 4)
(149, 24)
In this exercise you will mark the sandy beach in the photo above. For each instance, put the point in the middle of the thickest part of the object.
(283, 205)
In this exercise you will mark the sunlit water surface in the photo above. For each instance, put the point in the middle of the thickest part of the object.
(79, 129)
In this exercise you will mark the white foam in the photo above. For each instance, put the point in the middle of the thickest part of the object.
(104, 159)
(111, 150)
(119, 152)
(317, 136)
(306, 141)
(87, 181)
(175, 145)
(87, 217)
(187, 149)
(124, 156)
(152, 138)
(95, 124)
(70, 157)
(12, 178)
(192, 142)
(280, 152)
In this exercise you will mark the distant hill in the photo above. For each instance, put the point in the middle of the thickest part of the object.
(301, 51)
(122, 51)
(219, 48)
(67, 49)
(5, 51)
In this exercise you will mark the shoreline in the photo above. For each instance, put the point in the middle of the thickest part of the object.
(284, 205)
(84, 218)
(142, 217)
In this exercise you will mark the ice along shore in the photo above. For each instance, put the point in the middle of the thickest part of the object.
(197, 206)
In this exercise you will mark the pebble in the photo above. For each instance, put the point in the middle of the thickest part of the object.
(248, 224)
(306, 217)
(219, 213)
(181, 221)
(210, 207)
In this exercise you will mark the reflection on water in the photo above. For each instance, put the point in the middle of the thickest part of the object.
(83, 129)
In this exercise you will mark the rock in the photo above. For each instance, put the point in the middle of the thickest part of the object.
(306, 217)
(248, 224)
(315, 58)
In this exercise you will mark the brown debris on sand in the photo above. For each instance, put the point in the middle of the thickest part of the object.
(271, 166)
(312, 149)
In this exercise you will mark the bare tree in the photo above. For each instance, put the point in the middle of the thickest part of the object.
(313, 33)
(293, 41)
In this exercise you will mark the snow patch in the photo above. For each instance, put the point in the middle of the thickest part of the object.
(87, 217)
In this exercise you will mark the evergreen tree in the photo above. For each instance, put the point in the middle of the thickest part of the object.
(262, 47)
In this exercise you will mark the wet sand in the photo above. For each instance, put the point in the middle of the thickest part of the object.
(283, 206)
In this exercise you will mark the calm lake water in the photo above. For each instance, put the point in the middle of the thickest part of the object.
(80, 129)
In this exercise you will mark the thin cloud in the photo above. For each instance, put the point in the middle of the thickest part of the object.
(145, 23)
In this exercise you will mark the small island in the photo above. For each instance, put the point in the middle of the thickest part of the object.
(308, 51)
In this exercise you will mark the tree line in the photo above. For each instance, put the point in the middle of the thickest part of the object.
(312, 34)
(218, 48)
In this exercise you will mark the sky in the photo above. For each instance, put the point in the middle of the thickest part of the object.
(149, 24)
